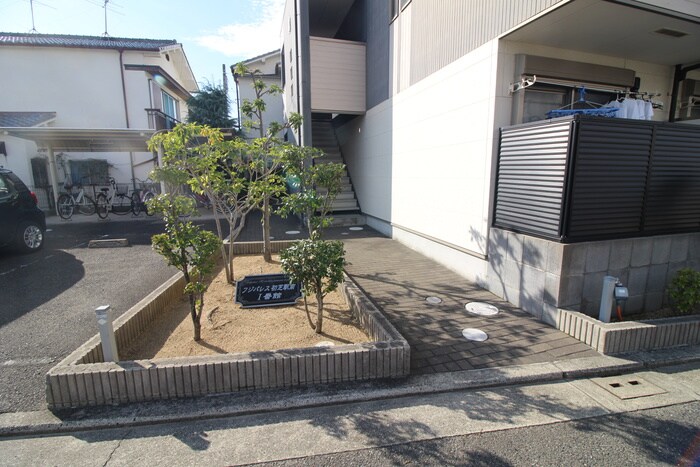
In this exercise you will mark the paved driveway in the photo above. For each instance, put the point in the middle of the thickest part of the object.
(47, 299)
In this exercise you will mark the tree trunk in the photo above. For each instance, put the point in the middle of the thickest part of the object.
(267, 253)
(230, 276)
(195, 319)
(197, 331)
(319, 317)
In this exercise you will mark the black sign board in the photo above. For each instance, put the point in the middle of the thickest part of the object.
(266, 290)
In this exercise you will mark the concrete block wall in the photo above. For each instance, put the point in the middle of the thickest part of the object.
(540, 276)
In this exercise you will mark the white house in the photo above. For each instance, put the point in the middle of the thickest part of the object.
(425, 99)
(88, 102)
(269, 67)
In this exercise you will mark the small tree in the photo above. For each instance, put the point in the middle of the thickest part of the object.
(264, 152)
(186, 247)
(210, 106)
(318, 266)
(213, 167)
(317, 185)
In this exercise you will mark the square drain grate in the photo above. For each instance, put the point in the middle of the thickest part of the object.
(628, 386)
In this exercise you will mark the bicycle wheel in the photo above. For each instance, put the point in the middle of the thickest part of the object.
(146, 198)
(102, 206)
(66, 206)
(87, 206)
(135, 205)
(121, 204)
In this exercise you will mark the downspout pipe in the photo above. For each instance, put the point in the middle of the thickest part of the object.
(126, 115)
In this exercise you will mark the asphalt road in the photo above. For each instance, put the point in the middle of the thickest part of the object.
(47, 299)
(660, 436)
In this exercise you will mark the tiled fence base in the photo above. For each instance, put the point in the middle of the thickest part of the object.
(615, 338)
(83, 379)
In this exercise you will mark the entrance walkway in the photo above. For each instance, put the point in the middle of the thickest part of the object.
(398, 280)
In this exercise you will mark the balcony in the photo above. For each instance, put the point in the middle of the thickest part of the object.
(337, 76)
(157, 120)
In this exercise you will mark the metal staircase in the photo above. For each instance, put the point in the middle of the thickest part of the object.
(323, 137)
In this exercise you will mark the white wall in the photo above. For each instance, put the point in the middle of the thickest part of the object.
(84, 88)
(274, 104)
(422, 161)
(16, 161)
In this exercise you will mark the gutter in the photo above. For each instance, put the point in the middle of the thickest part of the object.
(126, 114)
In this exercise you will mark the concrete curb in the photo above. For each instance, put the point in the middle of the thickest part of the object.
(252, 402)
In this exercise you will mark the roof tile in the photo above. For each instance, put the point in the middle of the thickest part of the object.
(92, 42)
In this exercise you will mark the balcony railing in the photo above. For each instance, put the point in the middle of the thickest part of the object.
(587, 178)
(337, 76)
(157, 120)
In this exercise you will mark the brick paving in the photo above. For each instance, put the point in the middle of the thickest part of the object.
(398, 280)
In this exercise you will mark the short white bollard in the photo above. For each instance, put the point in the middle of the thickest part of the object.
(109, 343)
(607, 298)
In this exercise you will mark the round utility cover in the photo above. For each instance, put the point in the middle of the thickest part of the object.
(433, 300)
(472, 334)
(355, 228)
(324, 344)
(481, 309)
(292, 232)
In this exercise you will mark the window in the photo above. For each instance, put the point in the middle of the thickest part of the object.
(89, 172)
(169, 105)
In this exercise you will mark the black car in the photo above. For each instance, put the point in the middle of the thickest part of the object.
(22, 223)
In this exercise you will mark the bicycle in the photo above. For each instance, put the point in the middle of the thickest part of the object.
(68, 202)
(143, 195)
(115, 198)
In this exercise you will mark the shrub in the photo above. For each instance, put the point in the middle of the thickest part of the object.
(685, 290)
(318, 266)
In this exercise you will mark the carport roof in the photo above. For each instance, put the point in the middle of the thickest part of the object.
(84, 139)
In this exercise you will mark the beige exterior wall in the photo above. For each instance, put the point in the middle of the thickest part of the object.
(337, 76)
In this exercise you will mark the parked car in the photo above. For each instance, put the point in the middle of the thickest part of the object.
(22, 223)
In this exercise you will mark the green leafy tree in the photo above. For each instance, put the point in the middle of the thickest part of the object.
(264, 152)
(318, 266)
(187, 247)
(316, 186)
(199, 156)
(210, 106)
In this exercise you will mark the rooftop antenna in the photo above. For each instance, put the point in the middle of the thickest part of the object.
(31, 5)
(105, 7)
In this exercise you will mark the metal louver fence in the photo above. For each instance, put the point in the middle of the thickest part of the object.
(586, 178)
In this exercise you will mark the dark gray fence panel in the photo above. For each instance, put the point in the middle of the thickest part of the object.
(609, 178)
(673, 194)
(531, 178)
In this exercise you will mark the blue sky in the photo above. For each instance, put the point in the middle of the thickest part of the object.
(213, 32)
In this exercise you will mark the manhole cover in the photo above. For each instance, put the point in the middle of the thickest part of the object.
(433, 300)
(481, 309)
(324, 344)
(355, 228)
(344, 233)
(472, 334)
(628, 386)
(292, 232)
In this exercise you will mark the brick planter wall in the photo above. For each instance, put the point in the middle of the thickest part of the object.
(82, 379)
(630, 336)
